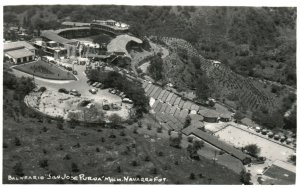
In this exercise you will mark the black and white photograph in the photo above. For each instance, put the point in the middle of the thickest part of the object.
(167, 94)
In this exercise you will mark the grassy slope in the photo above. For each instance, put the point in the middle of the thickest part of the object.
(54, 73)
(38, 144)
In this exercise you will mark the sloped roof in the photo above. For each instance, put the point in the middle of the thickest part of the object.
(79, 24)
(219, 144)
(19, 53)
(119, 43)
(52, 35)
(209, 113)
(17, 44)
(70, 29)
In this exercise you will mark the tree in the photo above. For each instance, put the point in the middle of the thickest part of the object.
(175, 142)
(74, 167)
(238, 116)
(43, 163)
(245, 177)
(18, 168)
(203, 90)
(187, 121)
(73, 123)
(292, 158)
(17, 141)
(155, 68)
(192, 176)
(252, 149)
(115, 119)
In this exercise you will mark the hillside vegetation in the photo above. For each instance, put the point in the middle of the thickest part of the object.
(259, 42)
(255, 45)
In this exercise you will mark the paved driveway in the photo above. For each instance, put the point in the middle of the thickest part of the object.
(80, 85)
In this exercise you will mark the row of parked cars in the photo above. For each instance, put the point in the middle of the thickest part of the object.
(270, 134)
(73, 92)
(120, 94)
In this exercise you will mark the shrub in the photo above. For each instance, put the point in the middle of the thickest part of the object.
(74, 167)
(154, 171)
(245, 177)
(60, 126)
(134, 163)
(175, 142)
(149, 127)
(119, 170)
(17, 141)
(160, 154)
(252, 149)
(135, 130)
(122, 133)
(60, 147)
(139, 124)
(147, 158)
(192, 176)
(67, 157)
(43, 163)
(190, 139)
(18, 169)
(159, 129)
(97, 150)
(42, 89)
(77, 145)
(5, 145)
(45, 129)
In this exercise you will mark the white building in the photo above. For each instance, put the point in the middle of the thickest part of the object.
(19, 52)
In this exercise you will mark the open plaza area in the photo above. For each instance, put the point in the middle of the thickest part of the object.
(240, 138)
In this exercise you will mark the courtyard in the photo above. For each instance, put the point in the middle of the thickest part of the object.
(240, 138)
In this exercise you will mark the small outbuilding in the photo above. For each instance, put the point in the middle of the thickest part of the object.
(225, 117)
(210, 116)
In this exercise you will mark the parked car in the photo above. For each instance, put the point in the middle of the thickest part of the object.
(106, 107)
(98, 85)
(114, 106)
(90, 82)
(117, 92)
(75, 93)
(63, 90)
(93, 91)
(127, 100)
(94, 84)
(113, 91)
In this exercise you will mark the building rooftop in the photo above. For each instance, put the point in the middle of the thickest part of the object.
(19, 53)
(16, 45)
(119, 43)
(70, 29)
(280, 173)
(76, 24)
(116, 26)
(52, 35)
(219, 144)
(225, 116)
(209, 113)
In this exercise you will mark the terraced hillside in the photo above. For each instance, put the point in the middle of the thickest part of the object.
(248, 92)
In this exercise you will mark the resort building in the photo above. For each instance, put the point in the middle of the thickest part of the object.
(209, 115)
(109, 26)
(19, 52)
